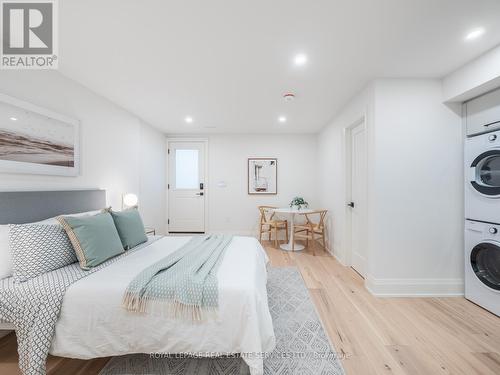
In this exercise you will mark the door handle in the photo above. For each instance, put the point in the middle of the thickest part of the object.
(199, 194)
(350, 204)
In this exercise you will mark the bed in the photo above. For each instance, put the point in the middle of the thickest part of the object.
(93, 324)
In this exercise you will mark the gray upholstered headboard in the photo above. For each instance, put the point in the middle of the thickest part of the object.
(18, 207)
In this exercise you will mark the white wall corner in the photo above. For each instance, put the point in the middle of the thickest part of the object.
(337, 254)
(474, 78)
(415, 287)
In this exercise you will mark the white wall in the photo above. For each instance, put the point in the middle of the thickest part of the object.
(119, 153)
(416, 226)
(415, 205)
(152, 177)
(230, 208)
(331, 168)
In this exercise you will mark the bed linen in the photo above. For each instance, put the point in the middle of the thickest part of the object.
(33, 308)
(92, 322)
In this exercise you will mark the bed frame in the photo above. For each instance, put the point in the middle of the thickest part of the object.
(19, 207)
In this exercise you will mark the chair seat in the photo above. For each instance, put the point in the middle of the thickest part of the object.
(275, 222)
(269, 224)
(303, 227)
(311, 228)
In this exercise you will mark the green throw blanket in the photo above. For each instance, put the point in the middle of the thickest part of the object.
(183, 285)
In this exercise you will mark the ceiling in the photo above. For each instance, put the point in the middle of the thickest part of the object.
(228, 63)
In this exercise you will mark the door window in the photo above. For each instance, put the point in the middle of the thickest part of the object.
(485, 261)
(187, 174)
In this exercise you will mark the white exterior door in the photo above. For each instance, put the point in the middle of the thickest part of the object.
(358, 198)
(186, 187)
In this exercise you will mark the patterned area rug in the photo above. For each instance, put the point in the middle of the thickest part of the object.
(302, 346)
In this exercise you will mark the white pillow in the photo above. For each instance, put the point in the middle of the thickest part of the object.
(5, 254)
(53, 220)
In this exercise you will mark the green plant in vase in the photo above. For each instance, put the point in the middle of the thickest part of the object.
(299, 202)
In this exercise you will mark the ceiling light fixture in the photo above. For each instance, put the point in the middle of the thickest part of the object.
(282, 119)
(189, 120)
(300, 59)
(474, 34)
(13, 118)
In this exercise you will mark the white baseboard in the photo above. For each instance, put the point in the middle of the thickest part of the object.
(415, 287)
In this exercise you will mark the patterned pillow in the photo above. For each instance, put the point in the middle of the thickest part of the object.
(37, 249)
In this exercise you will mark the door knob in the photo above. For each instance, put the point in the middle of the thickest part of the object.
(199, 194)
(350, 204)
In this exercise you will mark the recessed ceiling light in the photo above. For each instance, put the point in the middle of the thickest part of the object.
(189, 120)
(282, 119)
(474, 34)
(13, 118)
(300, 59)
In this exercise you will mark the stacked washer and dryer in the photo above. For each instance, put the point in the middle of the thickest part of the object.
(482, 201)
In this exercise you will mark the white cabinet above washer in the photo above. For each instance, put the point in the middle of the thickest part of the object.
(483, 113)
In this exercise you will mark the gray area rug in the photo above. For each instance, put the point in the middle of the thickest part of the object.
(302, 346)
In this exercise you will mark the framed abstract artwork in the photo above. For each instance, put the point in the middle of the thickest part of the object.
(262, 176)
(35, 140)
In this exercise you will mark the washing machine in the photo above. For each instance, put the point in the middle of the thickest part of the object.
(482, 264)
(482, 174)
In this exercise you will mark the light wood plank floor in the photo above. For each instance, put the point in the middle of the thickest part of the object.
(376, 335)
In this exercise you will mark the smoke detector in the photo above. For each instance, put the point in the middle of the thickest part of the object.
(289, 97)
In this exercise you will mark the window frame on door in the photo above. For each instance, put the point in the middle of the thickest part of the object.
(206, 190)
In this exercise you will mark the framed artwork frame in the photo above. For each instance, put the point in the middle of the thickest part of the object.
(262, 176)
(35, 140)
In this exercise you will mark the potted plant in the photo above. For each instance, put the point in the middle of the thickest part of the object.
(299, 203)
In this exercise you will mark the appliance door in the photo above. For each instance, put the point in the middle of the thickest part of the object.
(485, 177)
(485, 262)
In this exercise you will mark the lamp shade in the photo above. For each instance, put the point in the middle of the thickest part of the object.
(130, 200)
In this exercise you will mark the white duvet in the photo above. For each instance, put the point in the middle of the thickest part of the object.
(93, 323)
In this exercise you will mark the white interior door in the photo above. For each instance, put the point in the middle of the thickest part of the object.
(358, 198)
(186, 187)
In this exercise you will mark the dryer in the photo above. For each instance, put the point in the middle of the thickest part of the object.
(482, 173)
(482, 264)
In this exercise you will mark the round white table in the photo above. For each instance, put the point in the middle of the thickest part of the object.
(291, 212)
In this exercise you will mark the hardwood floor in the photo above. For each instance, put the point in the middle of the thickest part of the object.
(376, 335)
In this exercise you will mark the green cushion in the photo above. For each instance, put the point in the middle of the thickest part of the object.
(94, 238)
(130, 227)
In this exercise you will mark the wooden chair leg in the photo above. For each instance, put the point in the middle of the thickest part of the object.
(286, 230)
(324, 241)
(260, 234)
(276, 237)
(313, 246)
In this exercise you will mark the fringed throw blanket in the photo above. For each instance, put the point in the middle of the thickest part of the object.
(183, 285)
